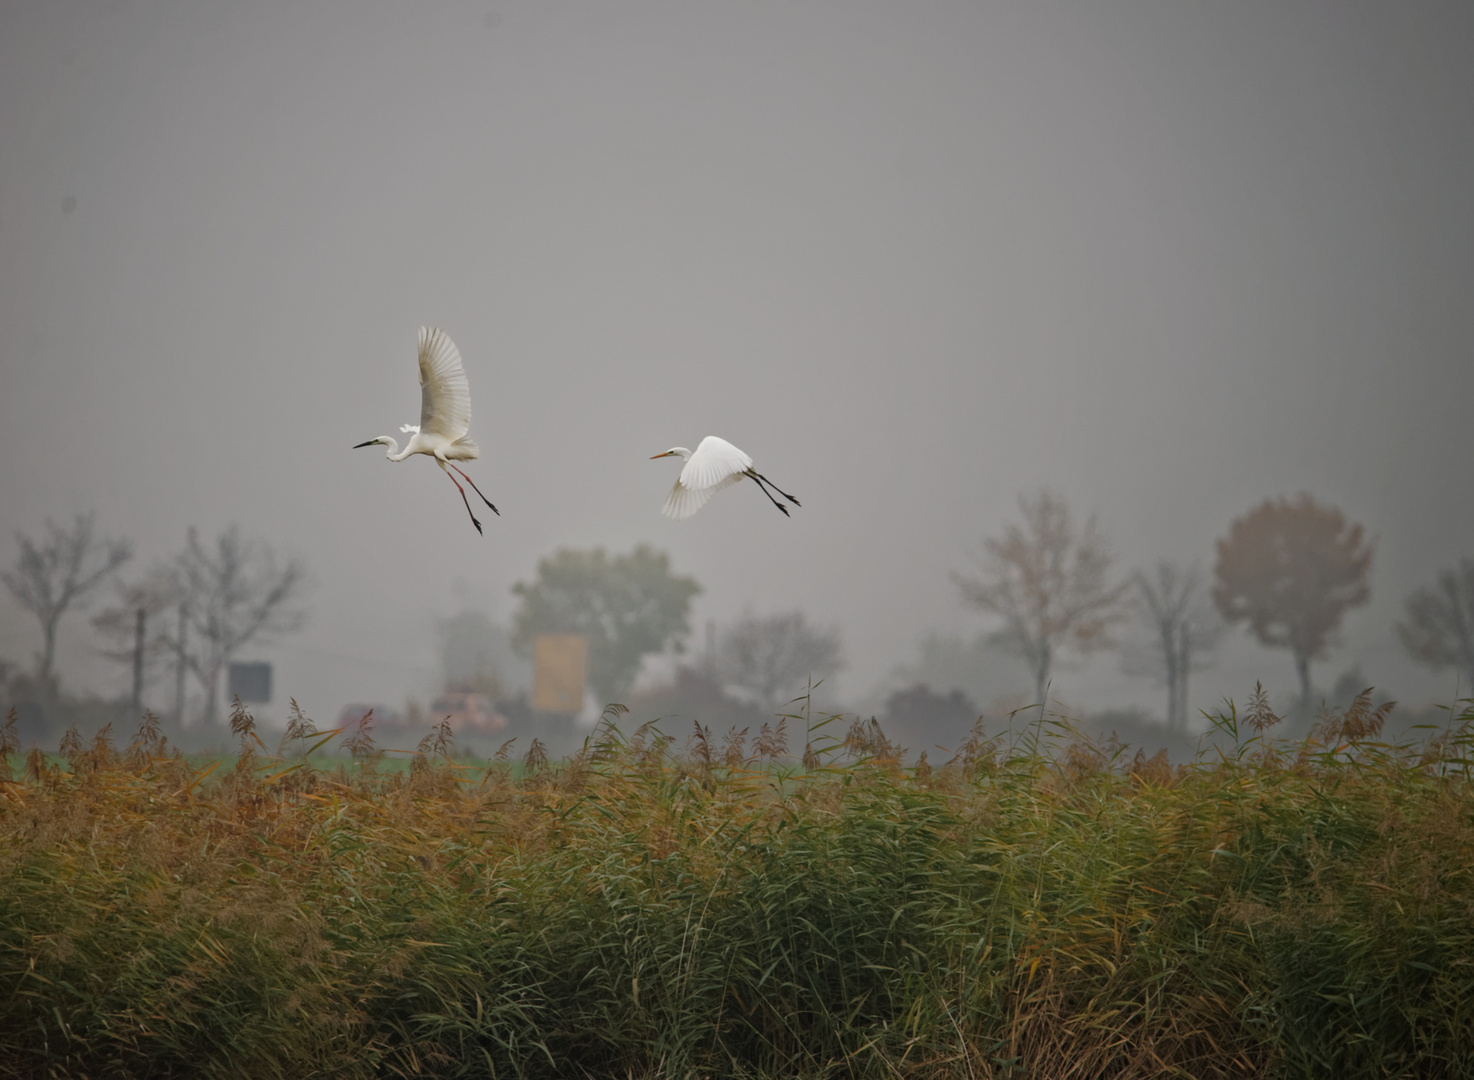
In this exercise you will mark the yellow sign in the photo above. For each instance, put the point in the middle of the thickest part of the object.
(559, 664)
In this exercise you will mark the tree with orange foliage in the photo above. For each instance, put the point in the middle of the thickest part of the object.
(1050, 581)
(1291, 570)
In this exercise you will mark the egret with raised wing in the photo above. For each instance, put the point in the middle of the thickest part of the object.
(714, 464)
(445, 415)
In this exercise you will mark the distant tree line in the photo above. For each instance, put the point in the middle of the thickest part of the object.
(189, 615)
(1289, 570)
(632, 606)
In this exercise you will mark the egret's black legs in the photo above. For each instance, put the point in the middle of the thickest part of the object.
(772, 500)
(467, 501)
(776, 488)
(484, 499)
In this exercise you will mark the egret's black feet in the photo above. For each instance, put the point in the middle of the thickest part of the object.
(764, 483)
(477, 490)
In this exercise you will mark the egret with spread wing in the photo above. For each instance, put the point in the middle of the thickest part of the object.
(715, 464)
(445, 415)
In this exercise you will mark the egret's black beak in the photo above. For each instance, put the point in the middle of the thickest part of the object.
(654, 456)
(361, 445)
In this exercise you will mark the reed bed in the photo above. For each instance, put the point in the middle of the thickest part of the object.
(1038, 905)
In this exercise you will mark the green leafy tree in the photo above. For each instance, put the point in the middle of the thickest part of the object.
(1291, 570)
(628, 606)
(1439, 628)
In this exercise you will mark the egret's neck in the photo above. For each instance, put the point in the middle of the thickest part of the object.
(393, 453)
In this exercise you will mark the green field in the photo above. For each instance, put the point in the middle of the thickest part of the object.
(1037, 906)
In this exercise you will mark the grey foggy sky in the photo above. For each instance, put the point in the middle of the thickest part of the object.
(1169, 259)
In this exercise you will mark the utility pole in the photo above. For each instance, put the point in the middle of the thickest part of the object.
(179, 665)
(138, 661)
(1184, 666)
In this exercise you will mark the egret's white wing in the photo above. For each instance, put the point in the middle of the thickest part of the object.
(410, 429)
(715, 464)
(445, 395)
(682, 501)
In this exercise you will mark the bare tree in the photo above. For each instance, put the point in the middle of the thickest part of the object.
(1439, 629)
(1175, 606)
(132, 628)
(58, 573)
(1049, 580)
(772, 657)
(1292, 570)
(232, 595)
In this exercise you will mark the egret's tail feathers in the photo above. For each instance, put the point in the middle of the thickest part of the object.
(463, 450)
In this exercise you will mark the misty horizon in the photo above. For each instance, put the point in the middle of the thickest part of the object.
(1168, 262)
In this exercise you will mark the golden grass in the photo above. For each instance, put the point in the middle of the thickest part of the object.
(1042, 907)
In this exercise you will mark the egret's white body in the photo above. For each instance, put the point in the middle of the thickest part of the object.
(445, 414)
(713, 465)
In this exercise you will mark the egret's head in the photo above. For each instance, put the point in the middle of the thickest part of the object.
(676, 451)
(381, 440)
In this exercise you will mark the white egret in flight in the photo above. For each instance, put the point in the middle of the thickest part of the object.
(715, 464)
(445, 415)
